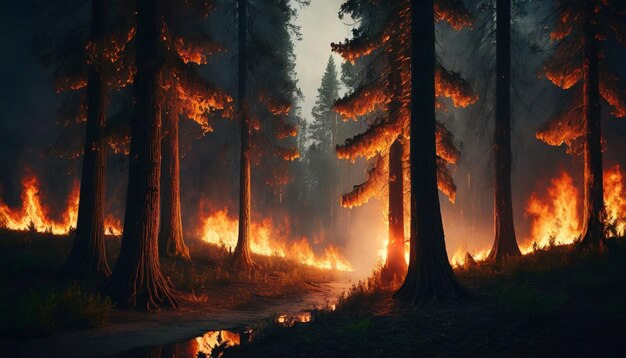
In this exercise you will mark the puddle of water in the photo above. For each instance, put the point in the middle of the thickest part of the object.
(212, 343)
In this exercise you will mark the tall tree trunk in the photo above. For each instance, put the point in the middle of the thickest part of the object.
(171, 243)
(242, 258)
(505, 244)
(137, 281)
(395, 266)
(88, 255)
(430, 276)
(593, 229)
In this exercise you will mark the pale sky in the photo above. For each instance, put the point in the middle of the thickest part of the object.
(320, 26)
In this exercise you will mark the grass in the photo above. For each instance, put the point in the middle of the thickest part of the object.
(556, 302)
(35, 302)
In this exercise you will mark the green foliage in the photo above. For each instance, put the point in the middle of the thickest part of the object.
(324, 125)
(43, 309)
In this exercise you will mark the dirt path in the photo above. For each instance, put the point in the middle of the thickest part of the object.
(174, 326)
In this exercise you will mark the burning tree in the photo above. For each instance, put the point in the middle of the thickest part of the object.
(87, 69)
(382, 46)
(267, 43)
(188, 46)
(137, 281)
(581, 61)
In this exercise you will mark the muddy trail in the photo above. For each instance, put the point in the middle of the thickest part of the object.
(172, 326)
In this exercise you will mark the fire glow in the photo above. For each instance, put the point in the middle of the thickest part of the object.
(269, 240)
(556, 216)
(34, 215)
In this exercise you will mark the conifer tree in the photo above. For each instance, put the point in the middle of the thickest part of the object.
(584, 33)
(384, 91)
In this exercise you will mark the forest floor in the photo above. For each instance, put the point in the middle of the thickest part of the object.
(41, 313)
(555, 302)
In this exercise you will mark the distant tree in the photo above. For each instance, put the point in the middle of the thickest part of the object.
(137, 281)
(585, 32)
(323, 133)
(381, 46)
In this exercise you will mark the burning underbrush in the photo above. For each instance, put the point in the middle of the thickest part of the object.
(217, 227)
(556, 215)
(269, 239)
(35, 216)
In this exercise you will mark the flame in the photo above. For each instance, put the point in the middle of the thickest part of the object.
(276, 106)
(615, 200)
(269, 240)
(461, 256)
(354, 48)
(382, 252)
(564, 78)
(377, 177)
(198, 98)
(210, 340)
(364, 100)
(196, 52)
(610, 91)
(112, 226)
(555, 216)
(451, 85)
(36, 216)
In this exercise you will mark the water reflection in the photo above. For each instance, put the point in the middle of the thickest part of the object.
(211, 344)
(290, 320)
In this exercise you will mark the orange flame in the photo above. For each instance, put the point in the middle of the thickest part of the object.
(555, 217)
(615, 200)
(267, 239)
(210, 340)
(36, 216)
(112, 226)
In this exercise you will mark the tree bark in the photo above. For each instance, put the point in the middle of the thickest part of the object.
(242, 258)
(87, 258)
(137, 281)
(395, 266)
(505, 243)
(593, 221)
(171, 243)
(430, 276)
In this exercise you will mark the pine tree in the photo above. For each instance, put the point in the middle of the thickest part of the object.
(581, 62)
(384, 92)
(323, 133)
